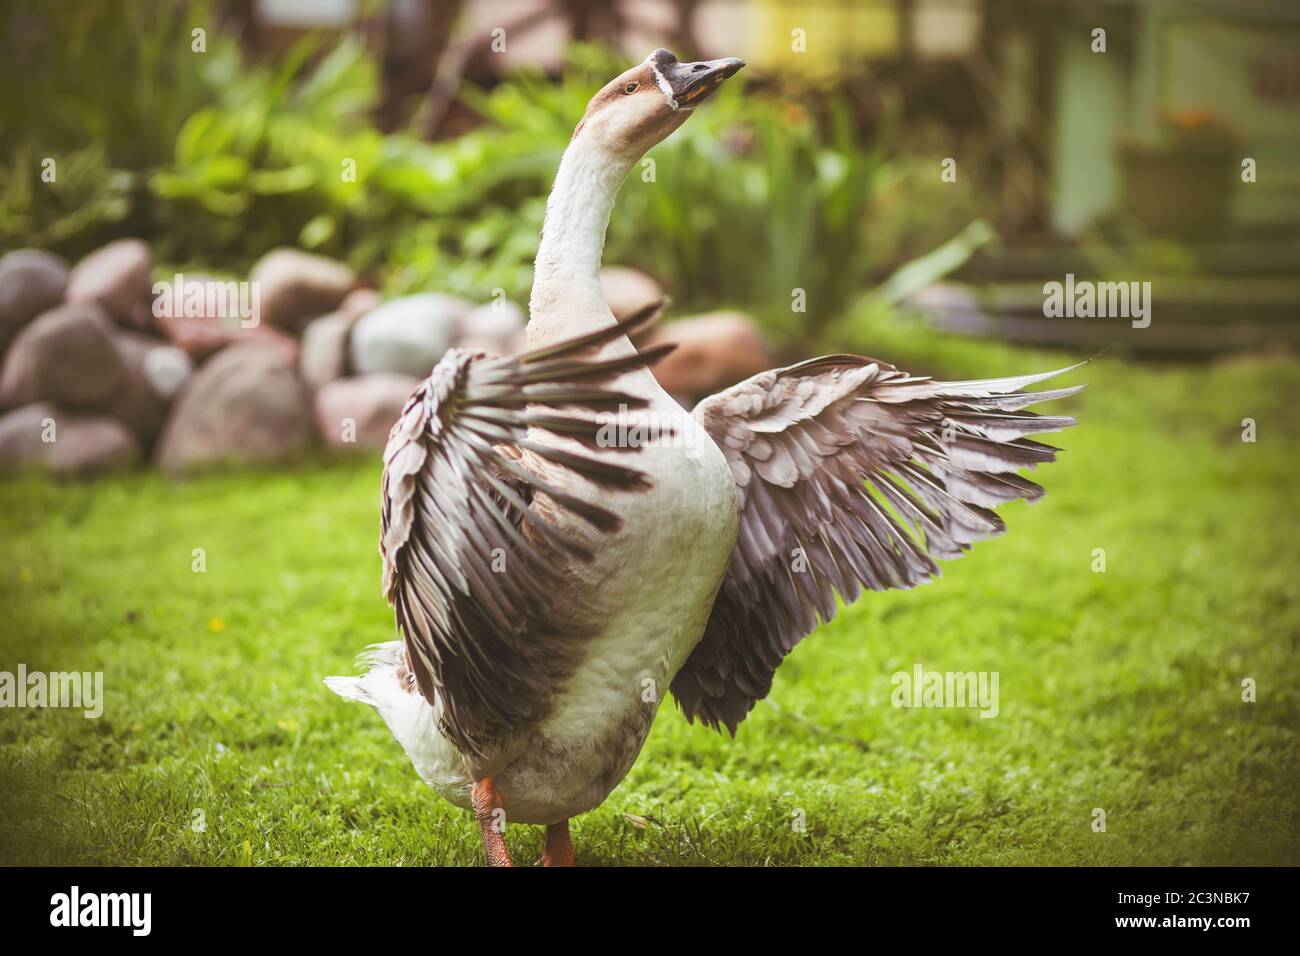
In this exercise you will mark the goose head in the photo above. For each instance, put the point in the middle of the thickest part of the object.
(640, 107)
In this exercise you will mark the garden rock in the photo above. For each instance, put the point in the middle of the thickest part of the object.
(496, 328)
(91, 445)
(68, 444)
(166, 368)
(116, 276)
(246, 405)
(360, 301)
(406, 335)
(32, 281)
(627, 290)
(323, 355)
(21, 430)
(323, 352)
(358, 413)
(155, 371)
(200, 337)
(295, 287)
(714, 350)
(66, 356)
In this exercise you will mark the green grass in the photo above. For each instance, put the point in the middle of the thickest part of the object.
(1119, 690)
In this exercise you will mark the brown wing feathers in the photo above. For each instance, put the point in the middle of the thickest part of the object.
(468, 562)
(851, 475)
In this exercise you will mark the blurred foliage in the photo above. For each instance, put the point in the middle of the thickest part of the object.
(273, 161)
(748, 201)
(755, 203)
(94, 94)
(216, 160)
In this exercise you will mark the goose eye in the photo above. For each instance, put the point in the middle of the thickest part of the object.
(630, 88)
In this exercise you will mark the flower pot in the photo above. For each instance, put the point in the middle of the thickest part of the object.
(1178, 190)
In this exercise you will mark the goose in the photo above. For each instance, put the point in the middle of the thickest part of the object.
(552, 583)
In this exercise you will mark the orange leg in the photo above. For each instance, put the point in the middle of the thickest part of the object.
(559, 851)
(491, 822)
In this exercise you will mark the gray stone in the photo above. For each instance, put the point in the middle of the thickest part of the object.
(245, 405)
(496, 328)
(358, 413)
(714, 351)
(78, 445)
(323, 355)
(406, 335)
(116, 276)
(360, 301)
(216, 323)
(627, 290)
(92, 444)
(66, 356)
(155, 371)
(166, 369)
(295, 286)
(31, 282)
(21, 431)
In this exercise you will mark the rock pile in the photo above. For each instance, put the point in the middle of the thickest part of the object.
(103, 367)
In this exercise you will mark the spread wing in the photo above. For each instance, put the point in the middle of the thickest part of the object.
(852, 474)
(468, 561)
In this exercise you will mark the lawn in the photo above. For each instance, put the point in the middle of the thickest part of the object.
(1119, 690)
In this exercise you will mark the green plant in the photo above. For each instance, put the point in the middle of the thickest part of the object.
(101, 89)
(282, 157)
(217, 159)
(86, 196)
(752, 201)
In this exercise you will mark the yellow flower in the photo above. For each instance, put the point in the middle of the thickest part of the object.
(216, 625)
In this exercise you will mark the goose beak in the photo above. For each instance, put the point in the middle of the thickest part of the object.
(690, 84)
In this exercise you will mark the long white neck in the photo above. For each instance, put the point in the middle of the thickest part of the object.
(566, 298)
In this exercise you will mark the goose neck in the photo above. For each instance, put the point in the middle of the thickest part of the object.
(566, 271)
